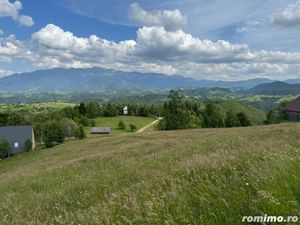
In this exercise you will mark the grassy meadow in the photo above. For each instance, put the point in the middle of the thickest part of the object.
(34, 107)
(207, 176)
(113, 122)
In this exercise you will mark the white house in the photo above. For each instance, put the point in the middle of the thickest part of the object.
(125, 111)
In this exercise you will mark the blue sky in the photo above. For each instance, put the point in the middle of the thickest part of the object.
(217, 39)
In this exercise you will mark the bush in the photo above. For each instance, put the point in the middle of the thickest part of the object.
(54, 133)
(92, 123)
(28, 145)
(83, 120)
(4, 148)
(132, 127)
(122, 125)
(69, 126)
(80, 133)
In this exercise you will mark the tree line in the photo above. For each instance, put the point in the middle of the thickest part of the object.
(53, 128)
(180, 113)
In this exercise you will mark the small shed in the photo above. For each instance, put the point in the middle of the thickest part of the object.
(100, 130)
(293, 110)
(125, 111)
(17, 136)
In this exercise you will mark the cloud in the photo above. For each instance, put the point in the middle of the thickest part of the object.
(159, 44)
(26, 20)
(5, 73)
(155, 49)
(169, 19)
(249, 26)
(55, 40)
(289, 17)
(8, 9)
(158, 50)
(11, 48)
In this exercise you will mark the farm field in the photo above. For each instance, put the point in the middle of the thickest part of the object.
(113, 122)
(206, 176)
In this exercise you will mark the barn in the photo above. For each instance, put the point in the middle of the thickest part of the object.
(100, 130)
(293, 110)
(17, 136)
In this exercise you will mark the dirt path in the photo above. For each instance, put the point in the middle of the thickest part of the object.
(149, 125)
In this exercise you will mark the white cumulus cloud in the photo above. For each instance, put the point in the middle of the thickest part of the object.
(159, 50)
(290, 16)
(155, 49)
(169, 19)
(8, 9)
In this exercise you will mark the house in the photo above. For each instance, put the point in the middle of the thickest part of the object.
(293, 110)
(100, 130)
(125, 111)
(17, 136)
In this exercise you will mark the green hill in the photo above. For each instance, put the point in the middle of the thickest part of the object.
(206, 176)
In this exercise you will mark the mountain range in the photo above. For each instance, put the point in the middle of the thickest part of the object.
(99, 79)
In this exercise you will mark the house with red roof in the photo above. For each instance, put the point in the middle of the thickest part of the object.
(293, 110)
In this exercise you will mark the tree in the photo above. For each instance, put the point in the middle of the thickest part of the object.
(83, 120)
(28, 145)
(122, 125)
(110, 110)
(80, 133)
(69, 126)
(243, 119)
(82, 109)
(214, 116)
(273, 117)
(38, 131)
(4, 148)
(53, 133)
(231, 120)
(93, 109)
(16, 119)
(132, 127)
(177, 116)
(3, 119)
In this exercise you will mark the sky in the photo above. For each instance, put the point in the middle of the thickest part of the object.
(214, 40)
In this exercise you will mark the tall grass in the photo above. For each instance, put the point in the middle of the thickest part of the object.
(208, 176)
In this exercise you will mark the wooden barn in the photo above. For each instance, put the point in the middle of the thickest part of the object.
(17, 136)
(100, 130)
(293, 110)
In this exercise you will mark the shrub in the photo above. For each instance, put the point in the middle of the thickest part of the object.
(122, 125)
(132, 127)
(80, 133)
(92, 123)
(4, 148)
(69, 126)
(28, 145)
(54, 133)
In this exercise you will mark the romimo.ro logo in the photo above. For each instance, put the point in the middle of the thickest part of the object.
(270, 219)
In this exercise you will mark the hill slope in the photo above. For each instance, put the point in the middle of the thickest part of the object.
(275, 88)
(99, 79)
(208, 176)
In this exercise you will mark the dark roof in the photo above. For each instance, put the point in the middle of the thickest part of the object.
(100, 130)
(17, 134)
(293, 106)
